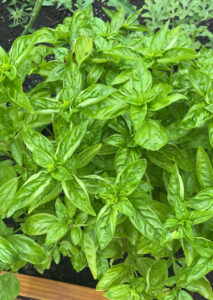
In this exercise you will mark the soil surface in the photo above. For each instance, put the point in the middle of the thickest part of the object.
(50, 17)
(63, 272)
(24, 298)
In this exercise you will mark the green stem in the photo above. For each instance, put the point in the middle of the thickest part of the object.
(171, 74)
(15, 120)
(35, 12)
(80, 225)
(6, 153)
(17, 230)
(49, 131)
(203, 20)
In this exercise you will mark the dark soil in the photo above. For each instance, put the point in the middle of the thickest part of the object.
(50, 17)
(24, 298)
(63, 272)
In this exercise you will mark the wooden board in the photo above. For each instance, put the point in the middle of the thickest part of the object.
(45, 289)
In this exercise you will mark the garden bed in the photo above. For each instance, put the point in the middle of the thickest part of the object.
(45, 289)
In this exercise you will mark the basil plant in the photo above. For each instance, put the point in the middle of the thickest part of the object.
(107, 159)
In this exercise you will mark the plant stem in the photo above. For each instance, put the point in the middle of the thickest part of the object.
(15, 120)
(171, 74)
(35, 12)
(203, 20)
(6, 153)
(17, 230)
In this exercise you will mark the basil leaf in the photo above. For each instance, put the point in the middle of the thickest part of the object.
(161, 103)
(85, 156)
(189, 252)
(198, 217)
(161, 160)
(158, 39)
(115, 275)
(79, 261)
(106, 109)
(175, 187)
(77, 194)
(61, 210)
(94, 74)
(16, 150)
(201, 286)
(105, 225)
(146, 221)
(56, 232)
(42, 148)
(83, 48)
(157, 275)
(211, 133)
(125, 156)
(203, 246)
(106, 190)
(200, 81)
(204, 168)
(200, 269)
(9, 287)
(39, 224)
(38, 189)
(117, 20)
(125, 207)
(151, 136)
(202, 201)
(131, 176)
(70, 142)
(90, 252)
(7, 193)
(27, 249)
(8, 253)
(177, 54)
(183, 295)
(76, 235)
(138, 115)
(121, 291)
(195, 117)
(94, 94)
(176, 194)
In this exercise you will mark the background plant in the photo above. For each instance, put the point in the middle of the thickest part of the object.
(19, 10)
(79, 4)
(71, 5)
(191, 16)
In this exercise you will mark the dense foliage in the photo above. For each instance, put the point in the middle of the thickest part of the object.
(107, 160)
(193, 16)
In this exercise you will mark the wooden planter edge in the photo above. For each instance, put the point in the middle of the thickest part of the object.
(46, 289)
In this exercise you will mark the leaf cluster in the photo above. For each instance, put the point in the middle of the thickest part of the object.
(191, 15)
(108, 159)
(68, 4)
(19, 10)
